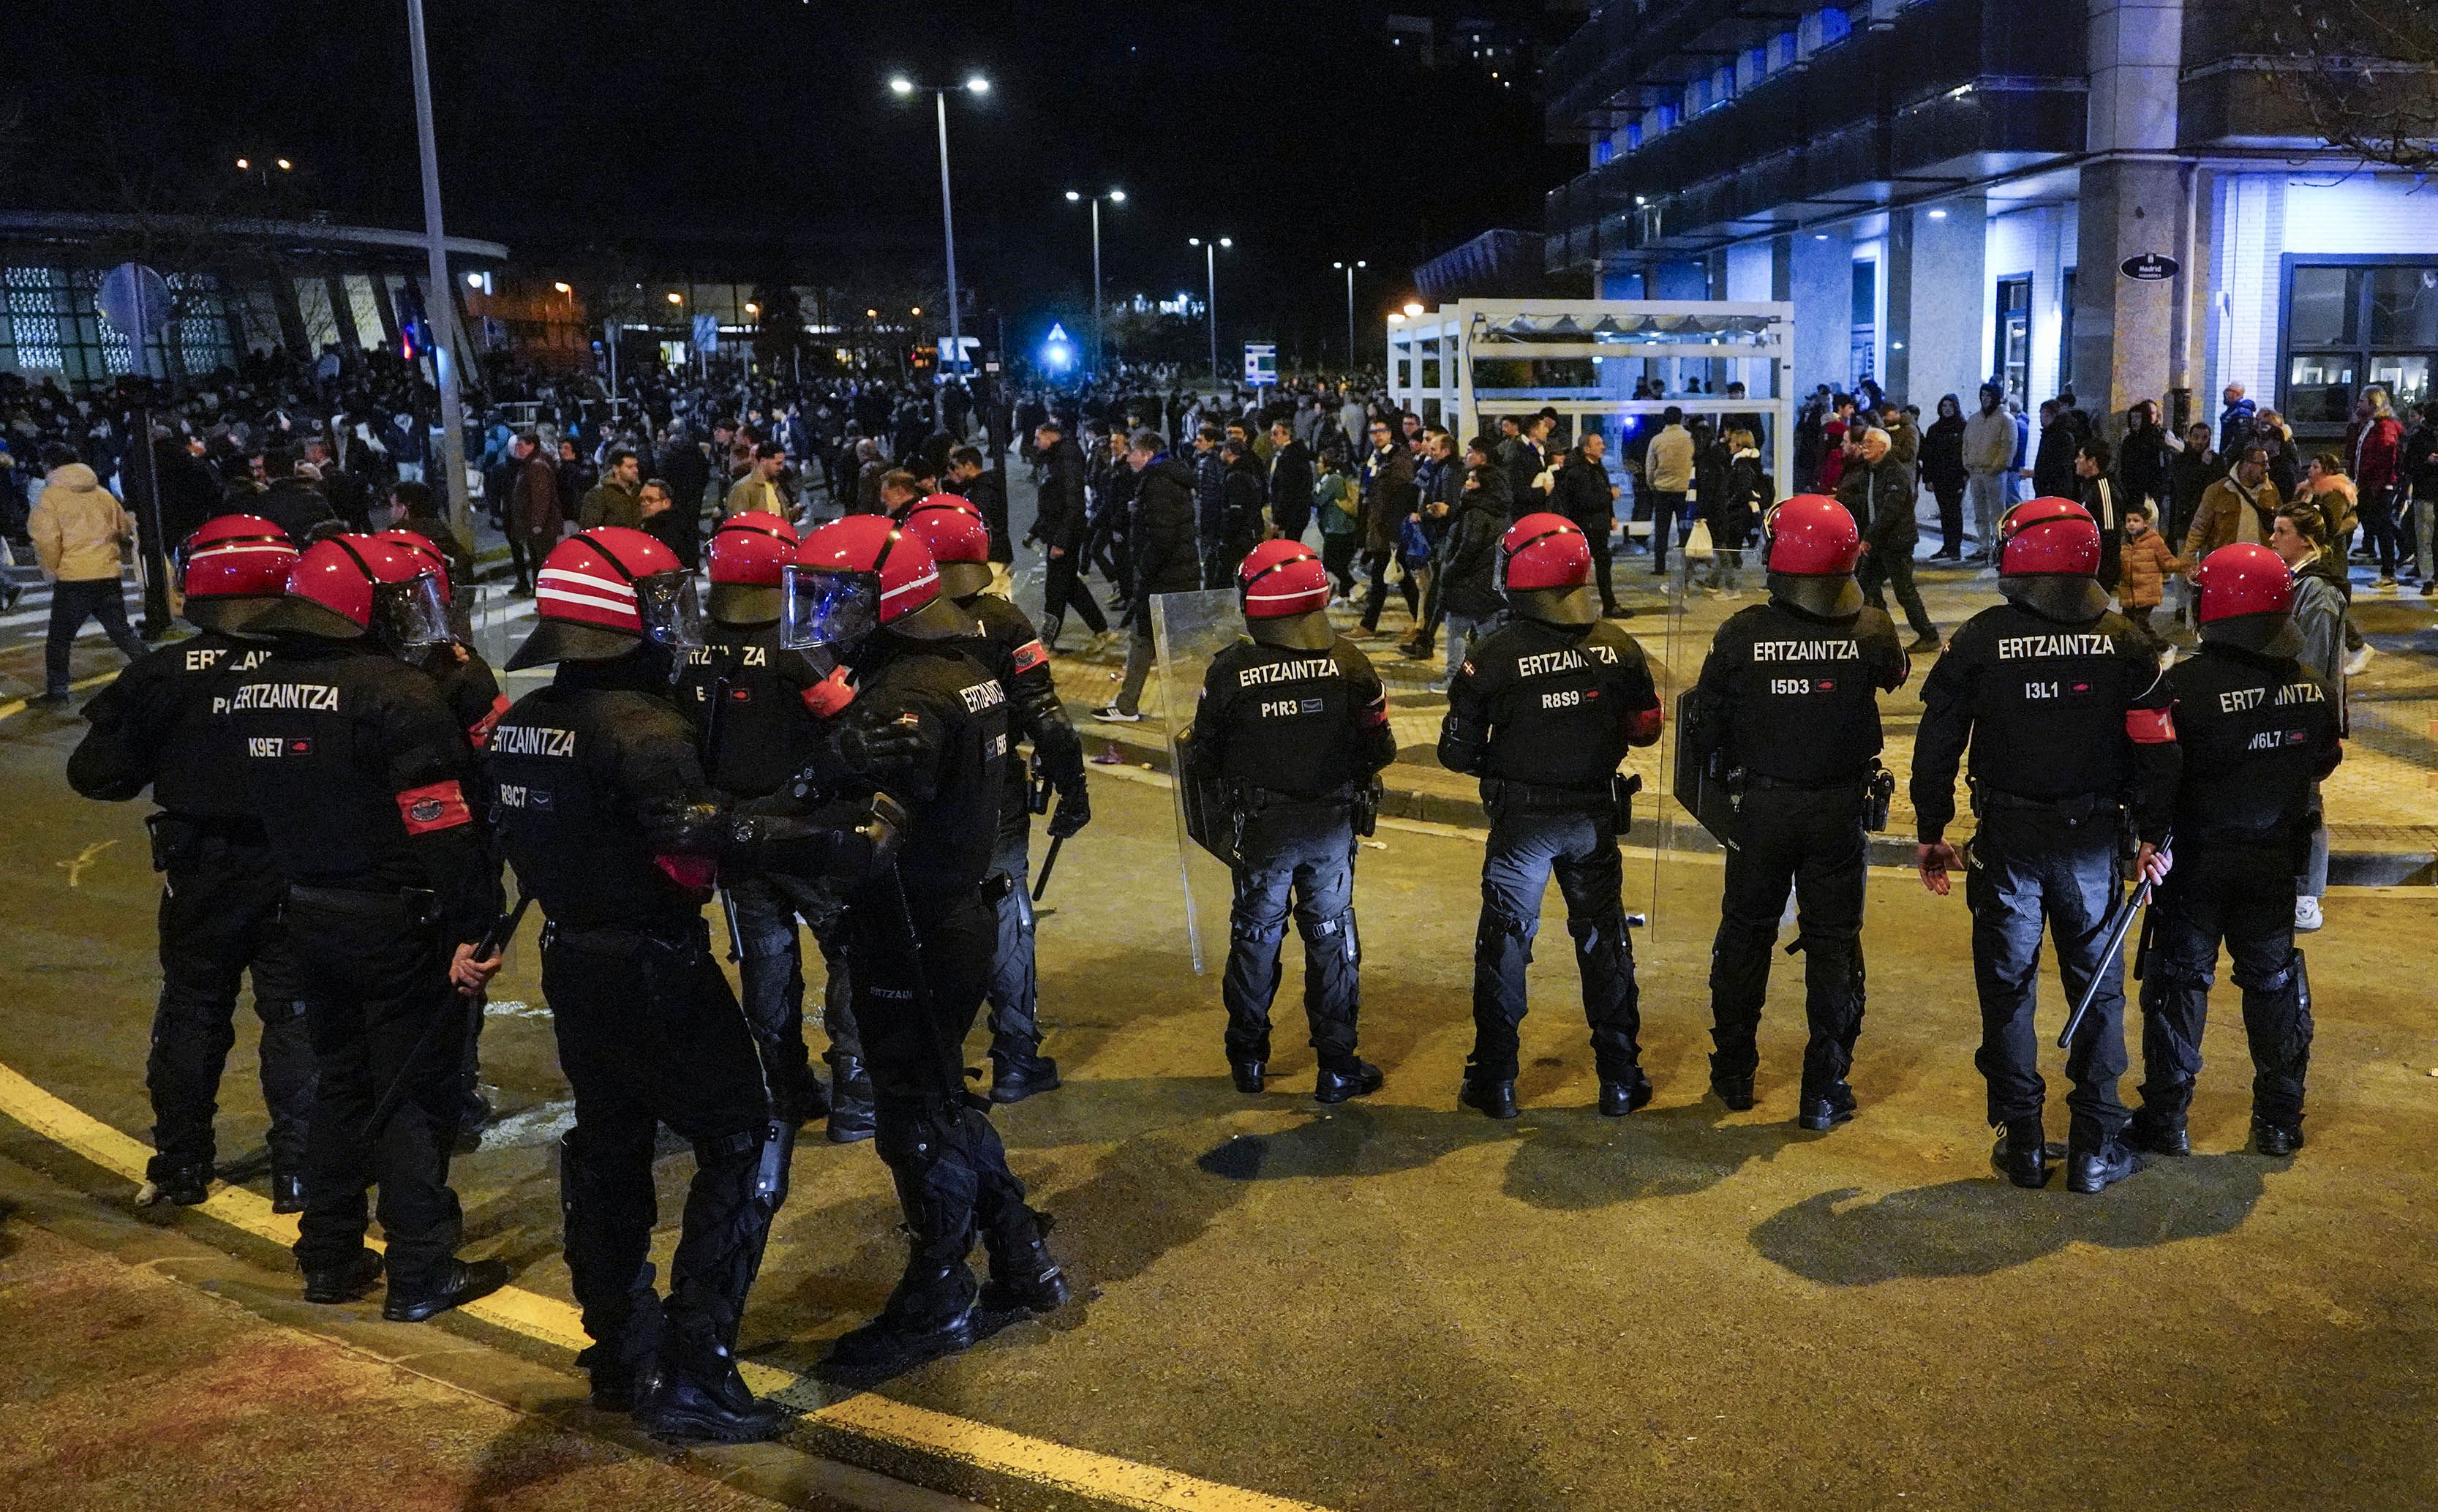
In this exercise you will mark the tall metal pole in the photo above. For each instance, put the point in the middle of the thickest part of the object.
(948, 230)
(1097, 358)
(1349, 318)
(439, 301)
(1211, 303)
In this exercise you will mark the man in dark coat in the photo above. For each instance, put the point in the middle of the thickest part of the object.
(1290, 482)
(1167, 558)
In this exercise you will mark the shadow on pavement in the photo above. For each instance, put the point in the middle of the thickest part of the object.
(1566, 1159)
(1983, 1226)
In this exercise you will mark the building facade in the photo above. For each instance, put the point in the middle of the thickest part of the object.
(2087, 194)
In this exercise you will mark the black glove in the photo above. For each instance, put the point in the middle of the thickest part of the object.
(1075, 812)
(869, 750)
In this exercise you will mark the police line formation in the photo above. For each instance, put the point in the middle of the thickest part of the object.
(339, 778)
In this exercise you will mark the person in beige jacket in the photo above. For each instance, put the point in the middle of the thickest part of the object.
(1667, 473)
(81, 535)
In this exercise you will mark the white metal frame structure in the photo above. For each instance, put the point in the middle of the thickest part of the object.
(1758, 338)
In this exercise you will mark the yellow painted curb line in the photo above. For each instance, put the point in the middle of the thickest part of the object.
(18, 706)
(890, 1425)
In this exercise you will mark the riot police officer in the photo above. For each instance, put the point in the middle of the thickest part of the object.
(475, 698)
(755, 705)
(159, 725)
(1294, 724)
(2256, 729)
(920, 938)
(2059, 702)
(612, 825)
(355, 768)
(959, 538)
(1787, 710)
(1542, 710)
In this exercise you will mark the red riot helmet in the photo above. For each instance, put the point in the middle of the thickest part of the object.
(602, 591)
(346, 587)
(749, 557)
(2048, 559)
(2246, 593)
(425, 552)
(1280, 578)
(1812, 546)
(1544, 551)
(232, 570)
(850, 578)
(952, 527)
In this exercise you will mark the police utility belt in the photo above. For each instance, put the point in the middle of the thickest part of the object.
(180, 839)
(1501, 794)
(1218, 808)
(1879, 786)
(419, 907)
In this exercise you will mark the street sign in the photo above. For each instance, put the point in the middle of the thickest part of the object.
(706, 333)
(136, 299)
(966, 350)
(2150, 267)
(1261, 363)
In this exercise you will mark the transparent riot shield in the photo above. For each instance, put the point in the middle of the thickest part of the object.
(496, 623)
(1025, 583)
(1705, 588)
(1188, 629)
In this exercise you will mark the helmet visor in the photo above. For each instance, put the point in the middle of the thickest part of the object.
(412, 615)
(821, 607)
(671, 608)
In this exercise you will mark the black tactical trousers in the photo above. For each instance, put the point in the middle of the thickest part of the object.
(920, 969)
(1013, 989)
(2243, 895)
(1527, 845)
(2028, 867)
(382, 1014)
(649, 1034)
(1298, 853)
(772, 971)
(1810, 839)
(220, 918)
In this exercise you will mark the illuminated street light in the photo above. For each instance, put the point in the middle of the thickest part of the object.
(1349, 268)
(242, 164)
(562, 289)
(285, 165)
(977, 85)
(1210, 272)
(1113, 196)
(901, 86)
(752, 308)
(1413, 309)
(676, 298)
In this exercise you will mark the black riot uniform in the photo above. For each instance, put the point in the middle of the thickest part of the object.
(2256, 731)
(2063, 721)
(355, 766)
(472, 692)
(1022, 666)
(613, 827)
(921, 940)
(1543, 714)
(746, 695)
(1788, 706)
(1298, 735)
(160, 725)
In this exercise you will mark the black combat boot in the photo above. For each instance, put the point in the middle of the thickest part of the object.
(180, 1186)
(929, 1314)
(1359, 1078)
(1489, 1095)
(2021, 1153)
(692, 1391)
(2159, 1134)
(1024, 1275)
(286, 1191)
(1620, 1096)
(2088, 1170)
(850, 1101)
(1251, 1076)
(1823, 1111)
(1017, 1073)
(2275, 1140)
(458, 1282)
(343, 1283)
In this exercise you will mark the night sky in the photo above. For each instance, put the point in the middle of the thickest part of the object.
(1293, 128)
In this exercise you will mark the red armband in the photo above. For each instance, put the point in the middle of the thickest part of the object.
(1643, 726)
(2150, 727)
(1374, 715)
(1029, 656)
(696, 874)
(829, 697)
(436, 807)
(479, 732)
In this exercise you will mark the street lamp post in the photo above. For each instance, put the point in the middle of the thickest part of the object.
(1349, 268)
(1113, 196)
(974, 84)
(1211, 300)
(440, 301)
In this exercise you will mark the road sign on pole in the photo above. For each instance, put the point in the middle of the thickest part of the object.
(136, 299)
(706, 333)
(1261, 363)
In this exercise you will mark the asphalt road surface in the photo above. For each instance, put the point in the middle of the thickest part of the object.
(1397, 1304)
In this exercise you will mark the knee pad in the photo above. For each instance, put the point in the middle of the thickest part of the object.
(2164, 980)
(1331, 932)
(2289, 974)
(1741, 939)
(1256, 932)
(1498, 924)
